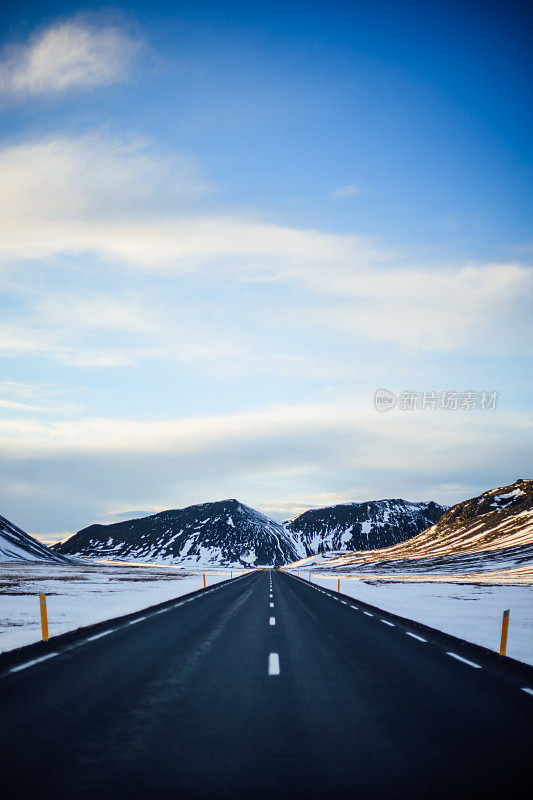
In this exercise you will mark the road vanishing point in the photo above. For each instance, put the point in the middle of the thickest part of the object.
(263, 687)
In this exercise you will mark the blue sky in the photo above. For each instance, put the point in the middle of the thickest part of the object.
(224, 226)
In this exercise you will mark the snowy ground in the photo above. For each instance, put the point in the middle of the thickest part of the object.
(81, 595)
(471, 611)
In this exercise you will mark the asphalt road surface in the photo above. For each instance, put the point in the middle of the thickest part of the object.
(248, 691)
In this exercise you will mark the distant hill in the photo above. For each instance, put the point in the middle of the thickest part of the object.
(492, 530)
(361, 526)
(16, 545)
(222, 533)
(229, 533)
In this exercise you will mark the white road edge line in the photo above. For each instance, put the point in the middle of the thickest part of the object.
(273, 664)
(99, 635)
(526, 690)
(464, 660)
(420, 638)
(272, 620)
(31, 663)
(386, 622)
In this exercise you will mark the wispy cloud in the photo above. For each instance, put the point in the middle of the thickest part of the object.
(111, 199)
(475, 307)
(45, 399)
(349, 190)
(114, 197)
(78, 53)
(355, 453)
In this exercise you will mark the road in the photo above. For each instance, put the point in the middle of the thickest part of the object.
(180, 704)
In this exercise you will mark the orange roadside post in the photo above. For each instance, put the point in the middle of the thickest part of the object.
(204, 580)
(505, 628)
(339, 585)
(44, 616)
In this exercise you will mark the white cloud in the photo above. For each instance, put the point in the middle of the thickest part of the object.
(87, 185)
(310, 454)
(73, 54)
(430, 434)
(95, 329)
(119, 199)
(46, 399)
(349, 190)
(114, 201)
(473, 306)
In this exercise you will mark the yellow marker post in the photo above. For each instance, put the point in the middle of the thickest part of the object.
(44, 616)
(505, 628)
(339, 585)
(204, 580)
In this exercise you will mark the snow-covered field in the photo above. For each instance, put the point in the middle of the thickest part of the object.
(470, 611)
(79, 595)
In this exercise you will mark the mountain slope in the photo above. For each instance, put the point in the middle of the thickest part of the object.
(491, 531)
(16, 545)
(223, 533)
(361, 526)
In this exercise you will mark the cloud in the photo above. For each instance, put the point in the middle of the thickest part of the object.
(120, 199)
(473, 307)
(45, 399)
(349, 190)
(96, 329)
(89, 185)
(121, 204)
(73, 54)
(88, 468)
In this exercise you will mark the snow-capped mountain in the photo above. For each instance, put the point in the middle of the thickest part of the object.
(223, 533)
(16, 545)
(493, 531)
(361, 526)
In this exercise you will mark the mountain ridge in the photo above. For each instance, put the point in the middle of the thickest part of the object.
(237, 535)
(230, 533)
(17, 545)
(493, 528)
(368, 525)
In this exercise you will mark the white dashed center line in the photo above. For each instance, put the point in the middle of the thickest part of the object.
(272, 620)
(464, 660)
(368, 613)
(386, 622)
(414, 636)
(31, 663)
(271, 605)
(134, 621)
(527, 691)
(273, 664)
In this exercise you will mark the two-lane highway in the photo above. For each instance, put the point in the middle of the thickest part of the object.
(263, 687)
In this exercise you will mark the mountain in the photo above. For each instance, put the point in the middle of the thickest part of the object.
(361, 526)
(493, 531)
(223, 533)
(16, 545)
